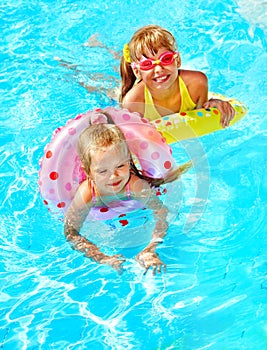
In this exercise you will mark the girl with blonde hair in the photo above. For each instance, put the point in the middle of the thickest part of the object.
(113, 188)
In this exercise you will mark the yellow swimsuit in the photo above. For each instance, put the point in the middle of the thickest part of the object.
(187, 104)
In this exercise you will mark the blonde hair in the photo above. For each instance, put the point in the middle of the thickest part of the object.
(147, 40)
(95, 137)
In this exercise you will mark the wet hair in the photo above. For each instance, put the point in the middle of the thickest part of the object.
(145, 42)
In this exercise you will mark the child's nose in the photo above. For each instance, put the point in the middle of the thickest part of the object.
(114, 172)
(158, 67)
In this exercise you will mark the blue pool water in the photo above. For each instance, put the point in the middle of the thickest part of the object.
(214, 293)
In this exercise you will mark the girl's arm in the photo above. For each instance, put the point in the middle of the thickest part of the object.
(74, 219)
(148, 257)
(197, 84)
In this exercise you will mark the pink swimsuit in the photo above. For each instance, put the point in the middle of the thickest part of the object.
(116, 212)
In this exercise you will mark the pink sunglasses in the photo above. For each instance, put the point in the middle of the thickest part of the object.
(165, 59)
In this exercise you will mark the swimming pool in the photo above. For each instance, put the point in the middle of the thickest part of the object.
(214, 293)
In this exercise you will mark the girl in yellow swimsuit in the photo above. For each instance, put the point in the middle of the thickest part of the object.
(153, 84)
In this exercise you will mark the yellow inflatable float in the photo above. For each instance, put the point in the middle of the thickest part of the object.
(185, 125)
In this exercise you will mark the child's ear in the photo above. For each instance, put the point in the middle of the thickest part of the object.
(137, 73)
(178, 60)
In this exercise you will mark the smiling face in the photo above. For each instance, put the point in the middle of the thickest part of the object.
(110, 169)
(160, 76)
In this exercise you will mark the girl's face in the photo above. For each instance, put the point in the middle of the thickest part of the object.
(110, 169)
(159, 76)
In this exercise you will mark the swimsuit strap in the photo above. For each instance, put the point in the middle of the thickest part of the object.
(150, 112)
(186, 101)
(128, 192)
(92, 188)
(187, 104)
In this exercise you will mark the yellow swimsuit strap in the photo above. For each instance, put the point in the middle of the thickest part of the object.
(150, 112)
(187, 104)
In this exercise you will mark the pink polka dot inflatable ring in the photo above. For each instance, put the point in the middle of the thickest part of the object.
(60, 168)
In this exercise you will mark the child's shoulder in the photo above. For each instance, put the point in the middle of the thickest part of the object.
(84, 192)
(138, 185)
(193, 77)
(135, 98)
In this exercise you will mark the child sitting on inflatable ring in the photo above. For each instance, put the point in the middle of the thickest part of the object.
(110, 171)
(153, 84)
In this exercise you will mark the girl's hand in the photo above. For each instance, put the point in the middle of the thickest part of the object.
(115, 261)
(149, 258)
(225, 108)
